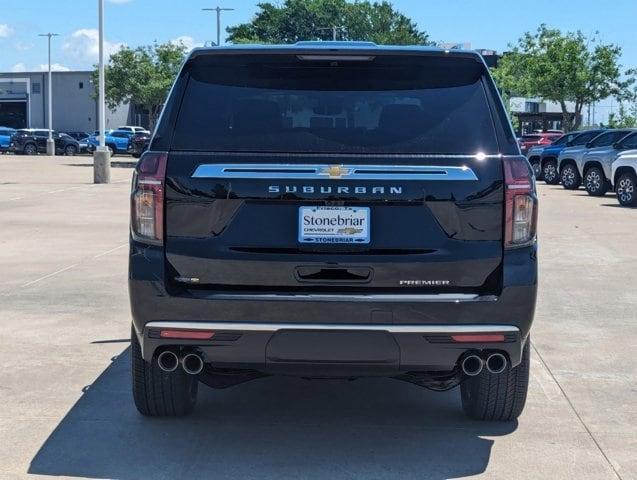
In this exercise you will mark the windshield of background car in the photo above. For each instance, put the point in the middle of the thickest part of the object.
(608, 138)
(584, 138)
(392, 104)
(563, 139)
(630, 142)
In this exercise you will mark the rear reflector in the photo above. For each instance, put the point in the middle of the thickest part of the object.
(478, 338)
(187, 334)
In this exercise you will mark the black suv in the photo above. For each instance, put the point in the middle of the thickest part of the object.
(333, 211)
(32, 141)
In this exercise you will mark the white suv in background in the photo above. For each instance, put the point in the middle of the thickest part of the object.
(128, 128)
(624, 178)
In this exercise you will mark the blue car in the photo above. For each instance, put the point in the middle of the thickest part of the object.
(118, 141)
(5, 138)
(549, 156)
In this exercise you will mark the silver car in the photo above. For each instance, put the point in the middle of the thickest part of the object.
(596, 164)
(569, 161)
(547, 161)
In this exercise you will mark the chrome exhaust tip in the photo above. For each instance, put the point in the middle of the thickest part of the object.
(192, 363)
(472, 365)
(496, 363)
(168, 361)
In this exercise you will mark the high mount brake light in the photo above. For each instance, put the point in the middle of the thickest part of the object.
(520, 203)
(147, 199)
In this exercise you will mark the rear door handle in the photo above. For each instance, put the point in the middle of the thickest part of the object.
(339, 274)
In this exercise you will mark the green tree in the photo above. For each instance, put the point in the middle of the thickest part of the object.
(564, 67)
(142, 76)
(625, 118)
(297, 20)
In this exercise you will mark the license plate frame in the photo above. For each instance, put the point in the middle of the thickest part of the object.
(339, 225)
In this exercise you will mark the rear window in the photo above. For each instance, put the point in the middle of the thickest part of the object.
(279, 103)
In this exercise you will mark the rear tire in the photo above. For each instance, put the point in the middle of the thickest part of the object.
(626, 187)
(497, 397)
(158, 393)
(595, 182)
(570, 177)
(70, 150)
(549, 170)
(30, 149)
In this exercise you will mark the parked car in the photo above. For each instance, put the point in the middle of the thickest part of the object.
(30, 141)
(624, 179)
(82, 139)
(132, 129)
(569, 161)
(117, 141)
(139, 144)
(548, 157)
(597, 162)
(5, 138)
(537, 139)
(285, 262)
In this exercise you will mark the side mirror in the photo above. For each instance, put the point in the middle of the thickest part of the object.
(589, 144)
(617, 146)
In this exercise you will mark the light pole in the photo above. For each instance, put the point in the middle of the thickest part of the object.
(102, 155)
(335, 29)
(218, 10)
(50, 144)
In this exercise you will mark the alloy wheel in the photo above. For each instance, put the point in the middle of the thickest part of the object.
(625, 190)
(550, 172)
(568, 176)
(537, 170)
(593, 181)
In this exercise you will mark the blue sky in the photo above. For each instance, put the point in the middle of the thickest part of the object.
(484, 23)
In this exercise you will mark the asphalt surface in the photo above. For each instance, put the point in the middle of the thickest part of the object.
(66, 406)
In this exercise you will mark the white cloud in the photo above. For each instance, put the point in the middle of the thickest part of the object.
(23, 47)
(5, 30)
(19, 67)
(84, 45)
(55, 67)
(187, 42)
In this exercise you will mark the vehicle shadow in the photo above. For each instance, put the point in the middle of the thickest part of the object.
(274, 427)
(615, 205)
(114, 164)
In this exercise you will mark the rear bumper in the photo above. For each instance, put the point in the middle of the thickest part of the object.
(332, 334)
(333, 349)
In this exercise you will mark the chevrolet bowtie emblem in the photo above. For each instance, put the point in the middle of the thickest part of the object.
(335, 171)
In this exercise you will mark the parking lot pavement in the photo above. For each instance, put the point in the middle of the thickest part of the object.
(65, 387)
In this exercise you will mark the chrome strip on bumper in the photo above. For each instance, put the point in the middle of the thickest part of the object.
(375, 298)
(273, 327)
(333, 172)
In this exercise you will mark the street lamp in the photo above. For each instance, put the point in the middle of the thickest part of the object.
(50, 144)
(218, 10)
(102, 155)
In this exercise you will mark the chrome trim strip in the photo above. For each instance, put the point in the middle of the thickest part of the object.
(274, 327)
(334, 172)
(340, 156)
(370, 298)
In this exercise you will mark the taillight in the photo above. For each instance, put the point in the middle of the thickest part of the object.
(147, 199)
(520, 203)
